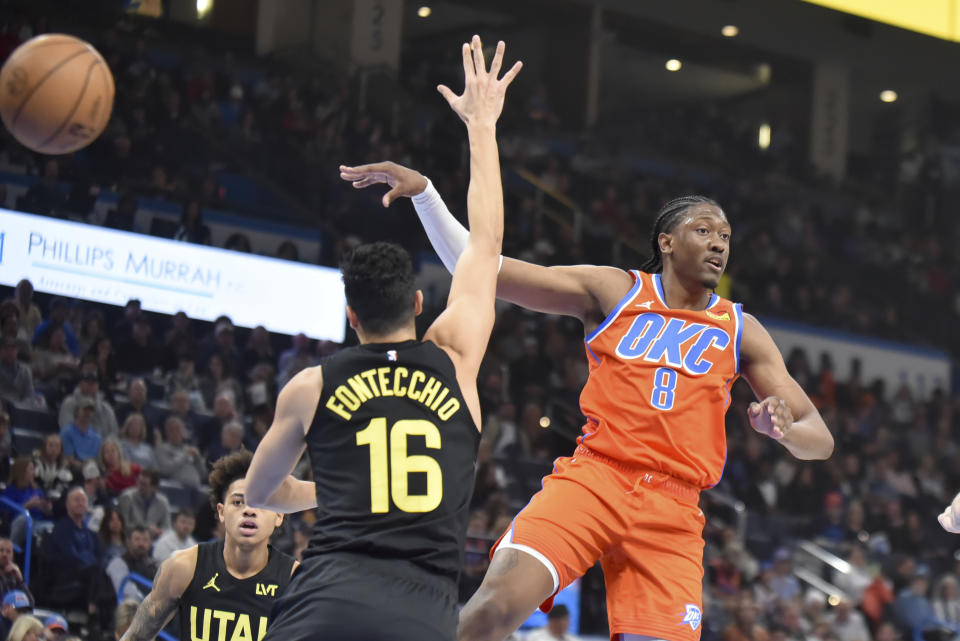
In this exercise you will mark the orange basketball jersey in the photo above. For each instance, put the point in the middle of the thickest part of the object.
(660, 381)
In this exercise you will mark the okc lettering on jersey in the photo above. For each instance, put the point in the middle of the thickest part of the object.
(659, 340)
(231, 626)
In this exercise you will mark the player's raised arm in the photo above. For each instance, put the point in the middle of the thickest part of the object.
(464, 327)
(159, 606)
(785, 413)
(269, 485)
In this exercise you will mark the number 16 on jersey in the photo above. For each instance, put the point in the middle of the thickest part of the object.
(390, 473)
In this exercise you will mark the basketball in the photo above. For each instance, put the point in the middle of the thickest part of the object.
(56, 94)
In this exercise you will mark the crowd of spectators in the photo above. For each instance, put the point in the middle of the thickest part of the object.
(120, 413)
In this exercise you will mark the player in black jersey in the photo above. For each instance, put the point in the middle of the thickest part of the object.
(392, 426)
(222, 589)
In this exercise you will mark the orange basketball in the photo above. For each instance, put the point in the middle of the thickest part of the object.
(56, 94)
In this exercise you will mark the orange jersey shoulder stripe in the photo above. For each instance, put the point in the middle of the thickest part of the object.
(659, 383)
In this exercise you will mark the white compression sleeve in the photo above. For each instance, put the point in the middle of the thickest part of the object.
(446, 234)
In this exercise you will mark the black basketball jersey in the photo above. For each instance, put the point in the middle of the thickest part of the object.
(393, 448)
(217, 606)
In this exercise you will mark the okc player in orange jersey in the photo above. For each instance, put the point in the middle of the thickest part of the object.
(664, 351)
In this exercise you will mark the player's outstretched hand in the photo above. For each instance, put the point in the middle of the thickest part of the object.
(771, 416)
(950, 517)
(482, 99)
(404, 182)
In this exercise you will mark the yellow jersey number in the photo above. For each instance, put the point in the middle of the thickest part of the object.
(382, 487)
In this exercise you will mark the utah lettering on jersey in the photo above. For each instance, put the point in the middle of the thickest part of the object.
(392, 381)
(228, 626)
(672, 342)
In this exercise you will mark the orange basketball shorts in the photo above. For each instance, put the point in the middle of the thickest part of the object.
(644, 527)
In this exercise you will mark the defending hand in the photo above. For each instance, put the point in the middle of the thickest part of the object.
(404, 182)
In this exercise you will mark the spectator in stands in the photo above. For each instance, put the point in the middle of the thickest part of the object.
(287, 250)
(946, 601)
(219, 379)
(99, 501)
(119, 473)
(557, 628)
(123, 328)
(139, 354)
(258, 349)
(231, 440)
(856, 580)
(185, 378)
(106, 361)
(847, 623)
(179, 340)
(72, 551)
(124, 215)
(11, 578)
(14, 603)
(192, 229)
(30, 316)
(137, 404)
(745, 626)
(179, 537)
(80, 440)
(143, 506)
(26, 628)
(912, 610)
(224, 411)
(23, 490)
(91, 331)
(135, 448)
(54, 365)
(178, 460)
(7, 450)
(55, 627)
(46, 197)
(50, 469)
(783, 582)
(112, 534)
(238, 242)
(299, 345)
(10, 326)
(222, 344)
(104, 421)
(16, 380)
(123, 617)
(136, 559)
(180, 408)
(57, 317)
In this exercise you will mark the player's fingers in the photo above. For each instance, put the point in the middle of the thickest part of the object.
(468, 69)
(754, 409)
(365, 182)
(390, 196)
(447, 93)
(478, 61)
(510, 75)
(497, 60)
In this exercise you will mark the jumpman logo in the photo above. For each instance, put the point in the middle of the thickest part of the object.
(645, 305)
(212, 583)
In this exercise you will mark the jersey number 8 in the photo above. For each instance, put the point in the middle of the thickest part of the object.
(382, 488)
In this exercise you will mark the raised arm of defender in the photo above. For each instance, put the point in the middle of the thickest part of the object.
(586, 292)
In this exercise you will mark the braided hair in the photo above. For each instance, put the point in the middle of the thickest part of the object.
(667, 219)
